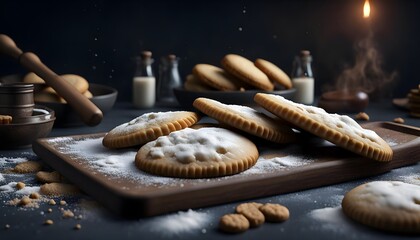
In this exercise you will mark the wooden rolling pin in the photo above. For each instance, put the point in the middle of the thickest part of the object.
(89, 112)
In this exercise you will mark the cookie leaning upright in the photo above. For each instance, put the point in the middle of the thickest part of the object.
(148, 127)
(245, 70)
(338, 129)
(387, 205)
(246, 119)
(197, 153)
(274, 73)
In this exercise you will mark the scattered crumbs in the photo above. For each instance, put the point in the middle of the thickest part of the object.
(49, 210)
(181, 222)
(362, 116)
(25, 201)
(62, 202)
(7, 226)
(20, 185)
(399, 120)
(51, 202)
(48, 222)
(34, 195)
(79, 217)
(78, 227)
(68, 214)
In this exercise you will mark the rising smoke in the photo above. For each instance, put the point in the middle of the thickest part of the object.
(367, 74)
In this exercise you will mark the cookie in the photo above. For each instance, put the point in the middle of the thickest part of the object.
(338, 129)
(27, 167)
(233, 223)
(274, 212)
(245, 70)
(80, 83)
(148, 127)
(48, 177)
(201, 153)
(192, 83)
(216, 77)
(399, 120)
(252, 213)
(385, 205)
(58, 189)
(274, 73)
(362, 116)
(5, 119)
(247, 120)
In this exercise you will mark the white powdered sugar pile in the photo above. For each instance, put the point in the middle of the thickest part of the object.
(181, 222)
(11, 187)
(120, 163)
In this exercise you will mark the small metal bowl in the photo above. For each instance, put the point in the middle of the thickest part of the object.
(24, 130)
(17, 99)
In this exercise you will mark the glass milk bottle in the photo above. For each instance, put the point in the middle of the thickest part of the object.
(144, 82)
(169, 79)
(303, 79)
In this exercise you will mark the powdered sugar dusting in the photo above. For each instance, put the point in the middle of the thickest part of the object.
(11, 187)
(120, 163)
(177, 223)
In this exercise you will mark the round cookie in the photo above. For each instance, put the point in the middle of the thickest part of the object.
(338, 129)
(216, 77)
(192, 83)
(274, 212)
(233, 223)
(245, 70)
(252, 213)
(80, 83)
(274, 73)
(201, 153)
(148, 127)
(247, 120)
(386, 205)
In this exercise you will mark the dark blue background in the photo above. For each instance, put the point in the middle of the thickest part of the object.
(98, 39)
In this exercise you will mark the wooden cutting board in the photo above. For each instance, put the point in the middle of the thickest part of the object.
(281, 169)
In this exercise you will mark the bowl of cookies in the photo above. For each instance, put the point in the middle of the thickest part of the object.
(102, 96)
(235, 82)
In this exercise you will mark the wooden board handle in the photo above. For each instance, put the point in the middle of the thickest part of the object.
(89, 112)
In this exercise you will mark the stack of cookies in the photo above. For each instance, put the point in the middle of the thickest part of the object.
(48, 94)
(237, 74)
(414, 102)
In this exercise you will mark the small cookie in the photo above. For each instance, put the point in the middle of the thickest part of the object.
(338, 129)
(48, 177)
(245, 70)
(274, 212)
(274, 73)
(216, 77)
(27, 167)
(247, 120)
(5, 119)
(233, 223)
(201, 153)
(192, 83)
(58, 189)
(399, 120)
(148, 127)
(80, 83)
(386, 205)
(252, 213)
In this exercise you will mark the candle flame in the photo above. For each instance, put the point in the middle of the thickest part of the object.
(366, 9)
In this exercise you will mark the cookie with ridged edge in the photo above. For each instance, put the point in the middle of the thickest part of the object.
(338, 129)
(197, 153)
(245, 70)
(5, 119)
(391, 206)
(274, 73)
(216, 77)
(148, 127)
(247, 119)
